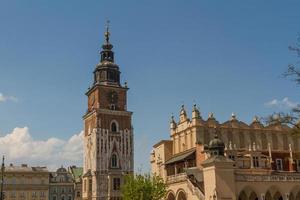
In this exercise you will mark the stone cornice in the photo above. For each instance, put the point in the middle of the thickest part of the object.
(107, 86)
(115, 112)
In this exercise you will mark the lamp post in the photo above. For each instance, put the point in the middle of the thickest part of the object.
(108, 186)
(2, 180)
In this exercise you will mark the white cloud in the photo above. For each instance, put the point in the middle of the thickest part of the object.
(19, 147)
(285, 103)
(4, 98)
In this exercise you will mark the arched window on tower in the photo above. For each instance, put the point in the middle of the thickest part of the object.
(113, 127)
(112, 106)
(114, 161)
(111, 76)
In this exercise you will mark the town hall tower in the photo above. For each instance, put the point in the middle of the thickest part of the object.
(108, 132)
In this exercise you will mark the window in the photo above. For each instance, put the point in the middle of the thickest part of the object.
(275, 141)
(232, 157)
(264, 141)
(62, 197)
(34, 194)
(84, 185)
(279, 164)
(42, 194)
(113, 127)
(14, 181)
(255, 161)
(112, 106)
(90, 185)
(242, 140)
(69, 197)
(13, 194)
(62, 190)
(298, 165)
(116, 183)
(22, 194)
(98, 145)
(54, 198)
(78, 194)
(111, 76)
(114, 161)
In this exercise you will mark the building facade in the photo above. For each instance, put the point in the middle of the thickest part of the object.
(108, 133)
(257, 162)
(77, 181)
(61, 185)
(26, 183)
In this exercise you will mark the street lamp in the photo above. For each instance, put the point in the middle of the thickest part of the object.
(2, 179)
(108, 186)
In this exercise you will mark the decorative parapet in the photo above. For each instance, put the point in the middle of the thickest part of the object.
(176, 178)
(195, 191)
(268, 178)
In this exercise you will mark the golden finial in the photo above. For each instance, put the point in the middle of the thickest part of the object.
(107, 34)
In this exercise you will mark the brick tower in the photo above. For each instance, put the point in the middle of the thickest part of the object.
(108, 133)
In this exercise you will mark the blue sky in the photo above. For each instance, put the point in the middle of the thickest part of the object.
(226, 56)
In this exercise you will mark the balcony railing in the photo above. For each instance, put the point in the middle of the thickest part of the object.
(176, 178)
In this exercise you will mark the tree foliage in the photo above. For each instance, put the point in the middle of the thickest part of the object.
(143, 187)
(293, 69)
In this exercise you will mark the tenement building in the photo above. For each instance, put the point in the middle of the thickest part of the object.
(205, 159)
(61, 185)
(76, 173)
(108, 133)
(26, 183)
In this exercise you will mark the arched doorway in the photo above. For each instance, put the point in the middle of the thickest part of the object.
(277, 196)
(242, 196)
(181, 196)
(268, 196)
(298, 196)
(253, 196)
(170, 196)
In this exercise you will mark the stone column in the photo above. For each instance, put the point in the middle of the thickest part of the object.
(286, 196)
(291, 160)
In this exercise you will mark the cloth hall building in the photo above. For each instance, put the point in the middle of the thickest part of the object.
(208, 160)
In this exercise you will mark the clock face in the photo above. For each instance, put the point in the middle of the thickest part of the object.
(113, 97)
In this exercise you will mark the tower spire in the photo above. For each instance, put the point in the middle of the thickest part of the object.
(107, 33)
(107, 54)
(107, 71)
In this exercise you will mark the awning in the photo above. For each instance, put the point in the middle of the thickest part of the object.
(180, 157)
